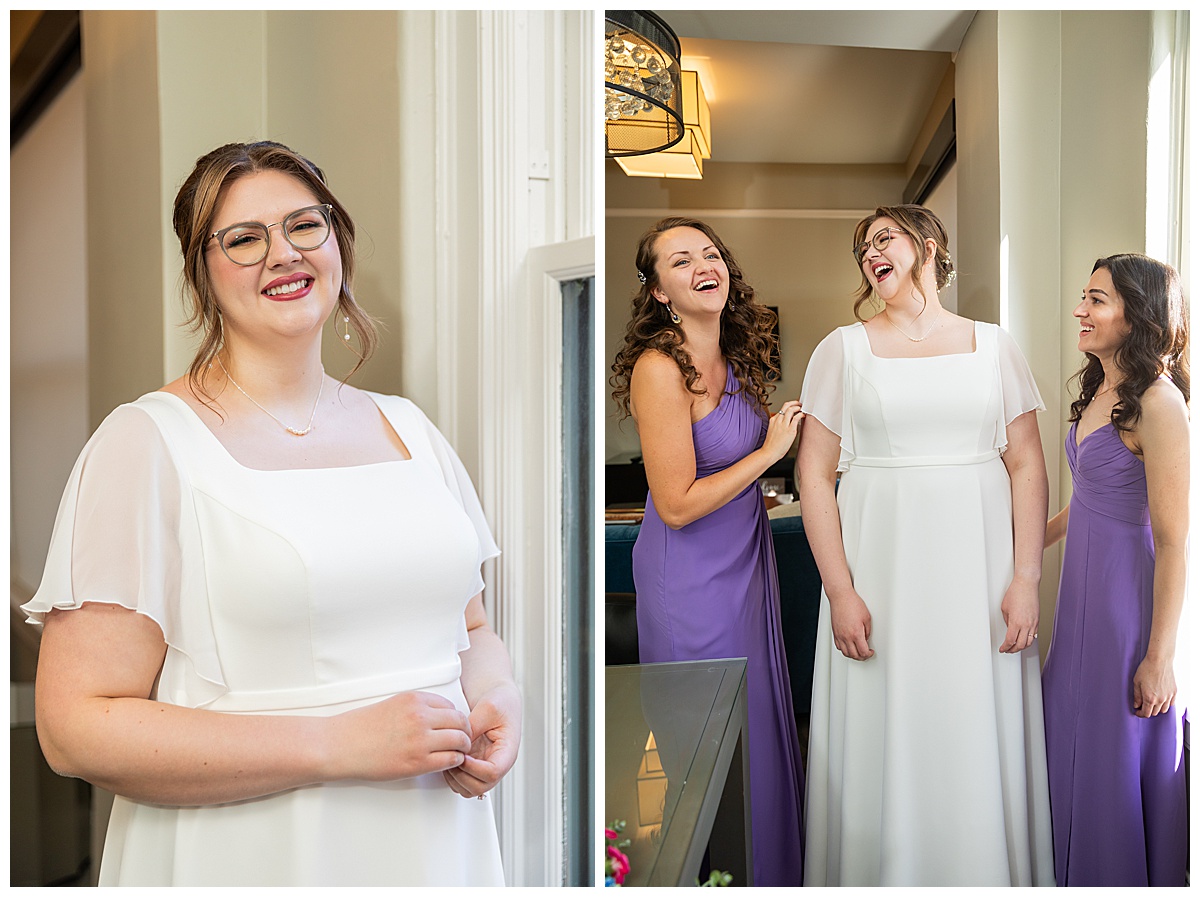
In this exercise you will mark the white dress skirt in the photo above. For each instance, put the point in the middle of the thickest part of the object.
(306, 592)
(926, 762)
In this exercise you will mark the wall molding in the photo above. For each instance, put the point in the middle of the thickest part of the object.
(822, 214)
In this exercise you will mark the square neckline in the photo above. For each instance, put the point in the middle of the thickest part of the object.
(195, 418)
(974, 338)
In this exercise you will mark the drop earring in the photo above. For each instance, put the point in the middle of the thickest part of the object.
(675, 319)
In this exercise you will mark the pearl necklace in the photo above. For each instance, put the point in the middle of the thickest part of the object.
(291, 430)
(915, 339)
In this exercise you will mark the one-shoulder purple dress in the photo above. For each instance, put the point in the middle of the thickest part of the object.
(710, 590)
(1117, 793)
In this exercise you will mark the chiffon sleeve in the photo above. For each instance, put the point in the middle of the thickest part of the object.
(458, 482)
(436, 450)
(428, 446)
(1018, 390)
(126, 534)
(825, 396)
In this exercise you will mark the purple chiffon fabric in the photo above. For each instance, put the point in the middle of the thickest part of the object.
(710, 590)
(1117, 791)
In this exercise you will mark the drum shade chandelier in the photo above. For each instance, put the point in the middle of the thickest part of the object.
(656, 119)
(643, 106)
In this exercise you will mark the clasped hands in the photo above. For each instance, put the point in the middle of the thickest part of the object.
(495, 734)
(415, 733)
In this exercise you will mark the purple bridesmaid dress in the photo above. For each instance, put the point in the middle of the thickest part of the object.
(710, 590)
(1117, 791)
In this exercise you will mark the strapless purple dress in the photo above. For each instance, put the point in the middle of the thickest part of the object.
(1118, 798)
(710, 590)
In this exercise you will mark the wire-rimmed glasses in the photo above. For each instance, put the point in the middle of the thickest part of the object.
(879, 241)
(248, 242)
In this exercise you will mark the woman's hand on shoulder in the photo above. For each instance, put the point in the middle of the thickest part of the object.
(782, 430)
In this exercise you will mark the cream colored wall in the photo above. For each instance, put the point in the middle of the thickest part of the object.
(164, 88)
(48, 327)
(789, 226)
(125, 209)
(1052, 175)
(943, 202)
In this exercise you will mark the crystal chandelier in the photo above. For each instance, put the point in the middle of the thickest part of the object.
(643, 105)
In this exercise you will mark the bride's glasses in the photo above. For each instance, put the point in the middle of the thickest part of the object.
(249, 242)
(879, 241)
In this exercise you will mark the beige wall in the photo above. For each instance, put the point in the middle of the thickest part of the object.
(163, 89)
(48, 326)
(1052, 175)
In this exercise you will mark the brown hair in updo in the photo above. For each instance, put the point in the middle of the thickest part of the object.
(920, 224)
(195, 208)
(746, 338)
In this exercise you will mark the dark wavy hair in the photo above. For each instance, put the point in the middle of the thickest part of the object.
(920, 224)
(1157, 343)
(195, 207)
(746, 338)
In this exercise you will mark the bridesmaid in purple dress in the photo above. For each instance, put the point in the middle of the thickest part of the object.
(693, 375)
(1114, 722)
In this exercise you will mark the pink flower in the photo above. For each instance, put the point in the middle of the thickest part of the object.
(610, 835)
(620, 865)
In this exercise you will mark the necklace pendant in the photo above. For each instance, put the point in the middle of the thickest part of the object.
(296, 432)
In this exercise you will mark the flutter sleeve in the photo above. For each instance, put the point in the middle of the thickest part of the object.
(428, 446)
(1018, 390)
(824, 394)
(126, 534)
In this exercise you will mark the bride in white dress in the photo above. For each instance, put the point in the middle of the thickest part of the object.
(263, 626)
(926, 760)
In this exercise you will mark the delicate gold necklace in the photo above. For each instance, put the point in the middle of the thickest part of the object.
(291, 430)
(915, 339)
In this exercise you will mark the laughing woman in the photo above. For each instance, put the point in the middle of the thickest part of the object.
(262, 618)
(693, 374)
(1114, 723)
(925, 758)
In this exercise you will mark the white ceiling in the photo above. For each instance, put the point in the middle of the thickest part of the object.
(818, 87)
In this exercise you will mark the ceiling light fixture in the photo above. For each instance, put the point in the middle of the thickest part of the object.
(643, 104)
(686, 158)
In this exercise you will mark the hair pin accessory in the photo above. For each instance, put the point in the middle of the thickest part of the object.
(641, 277)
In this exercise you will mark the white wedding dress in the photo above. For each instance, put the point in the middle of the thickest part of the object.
(305, 592)
(926, 762)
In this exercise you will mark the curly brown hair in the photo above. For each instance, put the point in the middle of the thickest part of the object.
(1157, 343)
(196, 205)
(920, 224)
(746, 341)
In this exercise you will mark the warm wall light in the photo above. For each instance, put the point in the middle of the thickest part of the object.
(685, 158)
